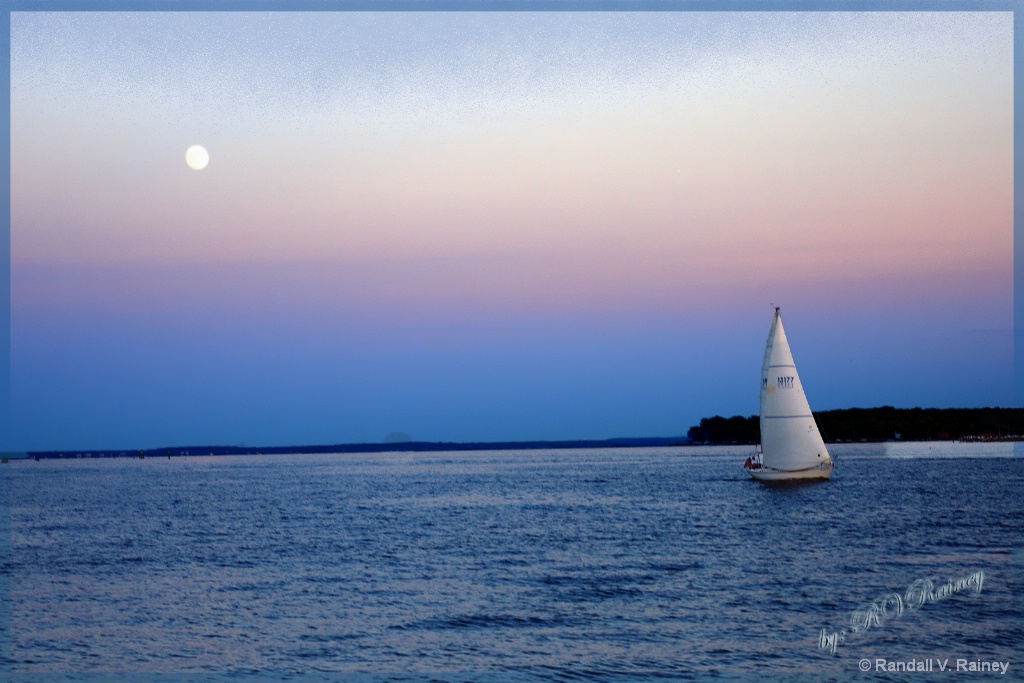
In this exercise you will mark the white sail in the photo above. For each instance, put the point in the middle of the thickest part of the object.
(790, 440)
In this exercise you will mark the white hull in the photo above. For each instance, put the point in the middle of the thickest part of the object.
(818, 472)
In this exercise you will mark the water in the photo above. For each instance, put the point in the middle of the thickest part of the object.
(634, 564)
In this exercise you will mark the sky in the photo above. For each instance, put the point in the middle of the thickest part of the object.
(499, 226)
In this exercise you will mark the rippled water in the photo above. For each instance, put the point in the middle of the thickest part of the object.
(535, 565)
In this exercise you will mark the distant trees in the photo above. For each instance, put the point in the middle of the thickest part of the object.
(718, 429)
(878, 424)
(920, 424)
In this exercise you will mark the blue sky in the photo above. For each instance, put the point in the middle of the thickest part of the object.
(499, 226)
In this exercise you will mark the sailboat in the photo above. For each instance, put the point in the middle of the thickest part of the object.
(791, 445)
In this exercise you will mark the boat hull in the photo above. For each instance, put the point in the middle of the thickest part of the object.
(818, 472)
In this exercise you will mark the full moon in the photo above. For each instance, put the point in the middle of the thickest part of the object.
(197, 157)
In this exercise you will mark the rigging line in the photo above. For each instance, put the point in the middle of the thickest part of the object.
(821, 430)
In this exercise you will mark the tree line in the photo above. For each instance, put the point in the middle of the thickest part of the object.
(877, 424)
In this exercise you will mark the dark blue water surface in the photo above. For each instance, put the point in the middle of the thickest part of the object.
(531, 565)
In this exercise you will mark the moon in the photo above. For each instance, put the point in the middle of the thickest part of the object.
(197, 157)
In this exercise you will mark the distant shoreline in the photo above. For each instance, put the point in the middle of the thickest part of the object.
(431, 447)
(879, 425)
(397, 447)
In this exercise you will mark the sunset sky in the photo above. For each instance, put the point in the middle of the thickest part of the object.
(499, 226)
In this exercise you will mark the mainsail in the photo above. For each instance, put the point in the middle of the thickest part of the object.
(790, 439)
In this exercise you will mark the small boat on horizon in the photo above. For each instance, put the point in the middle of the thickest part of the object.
(791, 444)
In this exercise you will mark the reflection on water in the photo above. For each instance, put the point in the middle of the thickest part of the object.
(929, 449)
(541, 564)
